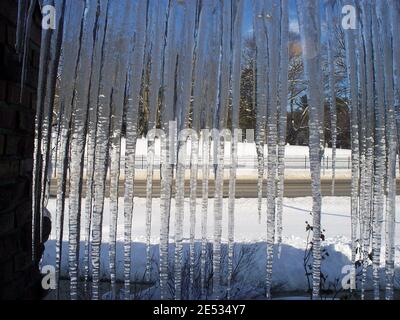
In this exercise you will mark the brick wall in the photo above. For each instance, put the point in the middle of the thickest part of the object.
(19, 277)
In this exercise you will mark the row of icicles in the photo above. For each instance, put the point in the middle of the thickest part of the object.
(188, 54)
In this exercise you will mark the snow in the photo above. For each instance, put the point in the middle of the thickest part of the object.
(288, 272)
(245, 149)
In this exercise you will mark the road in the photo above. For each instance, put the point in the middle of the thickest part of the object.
(296, 185)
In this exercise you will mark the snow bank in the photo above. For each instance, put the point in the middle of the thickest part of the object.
(250, 248)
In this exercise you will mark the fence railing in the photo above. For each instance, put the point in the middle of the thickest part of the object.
(245, 162)
(250, 162)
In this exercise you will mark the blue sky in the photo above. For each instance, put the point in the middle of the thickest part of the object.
(248, 23)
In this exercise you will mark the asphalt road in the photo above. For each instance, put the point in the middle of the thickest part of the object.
(246, 187)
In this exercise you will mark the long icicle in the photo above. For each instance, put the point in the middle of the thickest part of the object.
(198, 96)
(183, 104)
(67, 87)
(261, 85)
(272, 135)
(353, 106)
(136, 67)
(220, 121)
(157, 29)
(169, 65)
(41, 137)
(391, 136)
(78, 140)
(91, 133)
(380, 152)
(363, 138)
(329, 4)
(283, 94)
(117, 104)
(107, 79)
(310, 31)
(235, 132)
(395, 23)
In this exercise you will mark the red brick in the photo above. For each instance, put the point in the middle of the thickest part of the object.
(3, 90)
(2, 31)
(2, 144)
(28, 147)
(11, 194)
(9, 246)
(25, 239)
(12, 145)
(33, 101)
(36, 33)
(6, 270)
(11, 8)
(26, 167)
(13, 93)
(22, 261)
(23, 214)
(26, 119)
(11, 36)
(8, 118)
(9, 168)
(7, 222)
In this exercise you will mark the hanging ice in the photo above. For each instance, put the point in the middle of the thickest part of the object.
(283, 93)
(310, 31)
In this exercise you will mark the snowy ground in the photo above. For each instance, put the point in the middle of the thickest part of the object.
(250, 236)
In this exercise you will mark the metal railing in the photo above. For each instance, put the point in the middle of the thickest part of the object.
(250, 162)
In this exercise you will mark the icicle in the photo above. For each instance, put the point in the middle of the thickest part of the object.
(47, 133)
(132, 109)
(107, 80)
(49, 59)
(261, 85)
(367, 218)
(166, 161)
(236, 77)
(183, 104)
(283, 93)
(73, 13)
(193, 197)
(204, 209)
(353, 106)
(21, 19)
(123, 49)
(220, 120)
(41, 137)
(362, 112)
(329, 4)
(391, 137)
(212, 75)
(179, 215)
(198, 105)
(272, 139)
(157, 37)
(380, 151)
(395, 23)
(310, 31)
(78, 139)
(92, 129)
(27, 37)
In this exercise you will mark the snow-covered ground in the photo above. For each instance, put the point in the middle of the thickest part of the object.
(244, 148)
(250, 236)
(296, 157)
